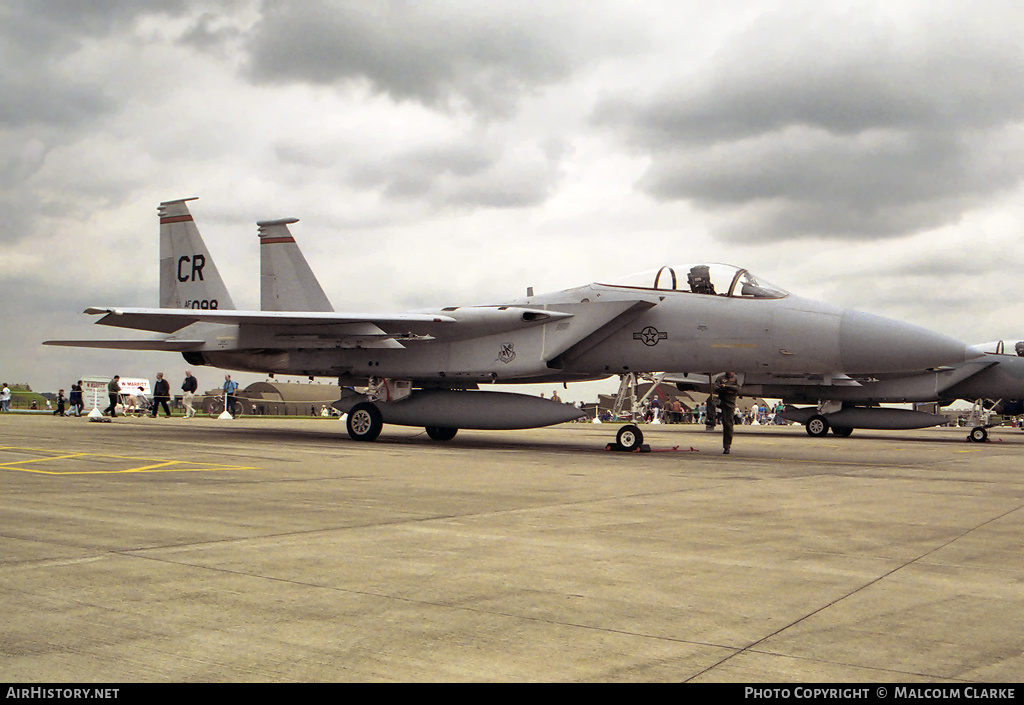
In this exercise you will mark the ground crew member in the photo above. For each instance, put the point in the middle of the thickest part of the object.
(728, 389)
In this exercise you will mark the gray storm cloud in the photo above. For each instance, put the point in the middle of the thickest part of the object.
(842, 127)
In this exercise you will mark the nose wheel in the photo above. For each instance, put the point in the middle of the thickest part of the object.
(629, 437)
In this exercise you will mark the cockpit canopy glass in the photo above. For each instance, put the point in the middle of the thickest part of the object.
(708, 279)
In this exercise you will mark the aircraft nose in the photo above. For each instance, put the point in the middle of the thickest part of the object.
(869, 343)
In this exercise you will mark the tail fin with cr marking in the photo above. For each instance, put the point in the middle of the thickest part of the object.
(188, 276)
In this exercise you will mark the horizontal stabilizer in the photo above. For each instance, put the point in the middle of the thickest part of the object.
(161, 345)
(169, 320)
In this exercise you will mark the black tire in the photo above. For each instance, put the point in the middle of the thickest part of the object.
(842, 432)
(978, 435)
(364, 422)
(437, 433)
(817, 426)
(629, 437)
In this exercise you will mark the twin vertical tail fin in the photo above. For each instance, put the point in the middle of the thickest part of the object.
(286, 281)
(188, 276)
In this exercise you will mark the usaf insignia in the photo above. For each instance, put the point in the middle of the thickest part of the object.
(650, 335)
(507, 353)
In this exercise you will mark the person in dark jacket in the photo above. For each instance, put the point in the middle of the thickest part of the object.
(728, 389)
(113, 389)
(76, 398)
(161, 395)
(189, 387)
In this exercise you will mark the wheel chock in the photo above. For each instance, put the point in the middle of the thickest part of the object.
(643, 448)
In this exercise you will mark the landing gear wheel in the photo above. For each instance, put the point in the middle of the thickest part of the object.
(978, 435)
(629, 437)
(441, 434)
(817, 426)
(364, 422)
(842, 432)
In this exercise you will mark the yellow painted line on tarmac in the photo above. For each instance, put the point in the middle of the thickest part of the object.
(103, 463)
(40, 460)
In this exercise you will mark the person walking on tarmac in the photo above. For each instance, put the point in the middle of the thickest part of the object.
(76, 398)
(728, 389)
(113, 389)
(161, 395)
(189, 387)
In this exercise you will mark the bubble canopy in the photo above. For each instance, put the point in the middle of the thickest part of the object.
(707, 279)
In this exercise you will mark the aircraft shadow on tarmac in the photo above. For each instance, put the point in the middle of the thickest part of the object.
(957, 435)
(590, 439)
(335, 438)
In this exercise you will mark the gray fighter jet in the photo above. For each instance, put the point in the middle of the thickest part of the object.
(846, 403)
(424, 368)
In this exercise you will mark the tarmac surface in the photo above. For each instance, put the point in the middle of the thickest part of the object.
(278, 550)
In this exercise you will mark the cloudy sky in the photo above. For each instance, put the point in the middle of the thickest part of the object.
(870, 154)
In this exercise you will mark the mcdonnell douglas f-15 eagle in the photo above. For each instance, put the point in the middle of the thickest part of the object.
(424, 368)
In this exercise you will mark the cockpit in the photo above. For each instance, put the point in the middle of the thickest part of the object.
(706, 279)
(1002, 347)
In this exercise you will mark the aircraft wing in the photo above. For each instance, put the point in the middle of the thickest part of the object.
(599, 322)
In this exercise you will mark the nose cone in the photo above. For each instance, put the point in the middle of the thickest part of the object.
(870, 343)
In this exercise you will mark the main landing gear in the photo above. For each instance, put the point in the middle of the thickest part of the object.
(818, 426)
(364, 422)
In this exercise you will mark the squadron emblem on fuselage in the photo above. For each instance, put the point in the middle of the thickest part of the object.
(507, 353)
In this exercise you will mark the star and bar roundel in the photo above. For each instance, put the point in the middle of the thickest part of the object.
(650, 335)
